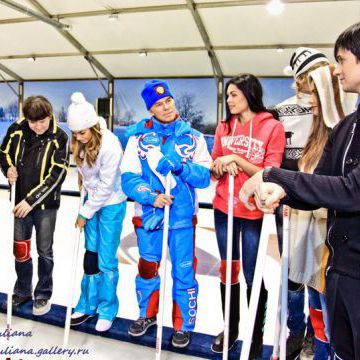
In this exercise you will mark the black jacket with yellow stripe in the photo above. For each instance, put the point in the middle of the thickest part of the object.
(41, 161)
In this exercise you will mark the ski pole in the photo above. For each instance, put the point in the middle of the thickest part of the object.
(229, 245)
(255, 292)
(10, 251)
(77, 235)
(275, 353)
(74, 263)
(284, 281)
(162, 271)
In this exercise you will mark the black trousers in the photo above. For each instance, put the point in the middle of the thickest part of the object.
(343, 303)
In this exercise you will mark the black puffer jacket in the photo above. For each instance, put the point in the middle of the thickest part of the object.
(41, 162)
(340, 193)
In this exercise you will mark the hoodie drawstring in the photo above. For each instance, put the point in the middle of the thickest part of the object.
(250, 135)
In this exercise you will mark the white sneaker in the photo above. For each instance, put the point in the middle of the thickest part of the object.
(78, 318)
(103, 325)
(76, 315)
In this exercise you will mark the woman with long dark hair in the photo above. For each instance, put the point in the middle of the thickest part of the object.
(249, 139)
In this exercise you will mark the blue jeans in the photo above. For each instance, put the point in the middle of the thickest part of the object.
(250, 231)
(44, 223)
(296, 321)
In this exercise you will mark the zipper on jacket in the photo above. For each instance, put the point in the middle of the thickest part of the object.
(343, 173)
(22, 153)
(328, 241)
(39, 154)
(347, 148)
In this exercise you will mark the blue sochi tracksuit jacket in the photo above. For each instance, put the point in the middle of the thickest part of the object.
(149, 141)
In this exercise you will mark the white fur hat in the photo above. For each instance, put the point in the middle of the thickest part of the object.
(81, 114)
(335, 103)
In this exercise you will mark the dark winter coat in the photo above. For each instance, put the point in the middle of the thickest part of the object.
(41, 162)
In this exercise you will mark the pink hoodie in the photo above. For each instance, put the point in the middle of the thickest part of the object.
(261, 141)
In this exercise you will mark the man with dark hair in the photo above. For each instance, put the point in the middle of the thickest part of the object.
(349, 40)
(34, 156)
(335, 185)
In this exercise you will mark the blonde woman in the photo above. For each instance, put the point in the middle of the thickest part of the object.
(97, 153)
(296, 115)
